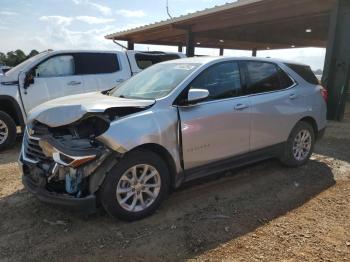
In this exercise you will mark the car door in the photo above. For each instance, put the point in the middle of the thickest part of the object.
(217, 128)
(277, 103)
(52, 78)
(100, 71)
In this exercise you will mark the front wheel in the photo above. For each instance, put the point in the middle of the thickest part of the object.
(136, 186)
(299, 146)
(8, 131)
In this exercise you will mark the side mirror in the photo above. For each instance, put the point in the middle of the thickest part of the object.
(197, 95)
(28, 80)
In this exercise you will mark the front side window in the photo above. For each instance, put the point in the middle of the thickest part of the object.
(96, 63)
(155, 82)
(56, 66)
(221, 80)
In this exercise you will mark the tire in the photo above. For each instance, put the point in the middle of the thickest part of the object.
(8, 131)
(290, 157)
(113, 183)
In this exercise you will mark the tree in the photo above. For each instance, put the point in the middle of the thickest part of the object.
(11, 58)
(14, 58)
(32, 53)
(2, 59)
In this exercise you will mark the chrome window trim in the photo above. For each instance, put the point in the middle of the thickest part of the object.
(22, 149)
(27, 159)
(238, 97)
(295, 84)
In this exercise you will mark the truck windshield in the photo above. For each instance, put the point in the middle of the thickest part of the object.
(22, 65)
(155, 82)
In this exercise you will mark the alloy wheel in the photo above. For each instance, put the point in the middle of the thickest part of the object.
(302, 145)
(138, 188)
(4, 132)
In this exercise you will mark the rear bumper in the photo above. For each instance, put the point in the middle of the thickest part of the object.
(38, 188)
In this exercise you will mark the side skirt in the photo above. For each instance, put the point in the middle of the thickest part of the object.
(234, 162)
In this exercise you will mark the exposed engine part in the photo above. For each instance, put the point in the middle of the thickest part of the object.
(97, 177)
(88, 127)
(73, 182)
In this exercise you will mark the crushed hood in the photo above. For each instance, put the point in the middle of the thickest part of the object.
(66, 110)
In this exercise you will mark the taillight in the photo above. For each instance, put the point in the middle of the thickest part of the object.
(324, 94)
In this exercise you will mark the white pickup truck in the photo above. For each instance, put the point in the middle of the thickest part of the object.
(54, 74)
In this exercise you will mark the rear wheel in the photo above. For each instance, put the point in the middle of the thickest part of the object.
(136, 186)
(299, 146)
(7, 131)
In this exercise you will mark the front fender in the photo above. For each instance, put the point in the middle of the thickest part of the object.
(148, 127)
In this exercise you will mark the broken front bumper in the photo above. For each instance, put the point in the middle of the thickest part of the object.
(35, 181)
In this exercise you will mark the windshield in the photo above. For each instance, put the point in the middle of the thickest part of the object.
(22, 65)
(155, 82)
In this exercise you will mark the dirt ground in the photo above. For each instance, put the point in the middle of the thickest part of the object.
(264, 212)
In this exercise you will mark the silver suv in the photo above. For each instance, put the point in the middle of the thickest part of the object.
(171, 123)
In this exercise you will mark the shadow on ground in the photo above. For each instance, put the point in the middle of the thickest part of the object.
(11, 155)
(198, 217)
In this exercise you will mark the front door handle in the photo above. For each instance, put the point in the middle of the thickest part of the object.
(240, 106)
(73, 83)
(120, 80)
(293, 96)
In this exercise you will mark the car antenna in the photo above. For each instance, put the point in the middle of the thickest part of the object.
(119, 44)
(167, 9)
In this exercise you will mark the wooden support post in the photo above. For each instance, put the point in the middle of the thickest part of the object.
(254, 51)
(130, 45)
(179, 48)
(336, 73)
(221, 51)
(189, 44)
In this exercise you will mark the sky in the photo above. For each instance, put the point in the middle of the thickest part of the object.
(82, 24)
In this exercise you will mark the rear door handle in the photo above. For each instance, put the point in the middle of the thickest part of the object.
(120, 80)
(241, 106)
(293, 96)
(73, 83)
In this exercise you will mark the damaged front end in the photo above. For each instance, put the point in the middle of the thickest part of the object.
(66, 165)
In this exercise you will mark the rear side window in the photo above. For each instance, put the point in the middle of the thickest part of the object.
(221, 80)
(285, 80)
(305, 72)
(262, 77)
(96, 63)
(145, 60)
(265, 77)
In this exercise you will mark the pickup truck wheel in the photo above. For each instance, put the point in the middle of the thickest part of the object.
(299, 146)
(135, 186)
(8, 131)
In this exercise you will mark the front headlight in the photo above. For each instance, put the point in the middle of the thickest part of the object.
(71, 161)
(62, 158)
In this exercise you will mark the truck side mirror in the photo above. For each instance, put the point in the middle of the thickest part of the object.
(28, 80)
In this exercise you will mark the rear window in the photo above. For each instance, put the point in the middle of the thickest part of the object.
(145, 60)
(305, 72)
(96, 63)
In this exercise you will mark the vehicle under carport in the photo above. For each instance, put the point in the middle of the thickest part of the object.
(260, 25)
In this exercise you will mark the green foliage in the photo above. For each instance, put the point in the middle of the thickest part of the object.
(2, 58)
(33, 53)
(14, 58)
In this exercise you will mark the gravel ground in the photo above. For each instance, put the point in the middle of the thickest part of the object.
(263, 212)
